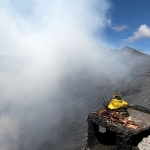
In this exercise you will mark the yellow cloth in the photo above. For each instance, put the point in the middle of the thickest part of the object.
(115, 104)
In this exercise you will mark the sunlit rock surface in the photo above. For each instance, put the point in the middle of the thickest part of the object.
(145, 144)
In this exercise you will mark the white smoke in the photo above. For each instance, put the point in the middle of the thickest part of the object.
(42, 43)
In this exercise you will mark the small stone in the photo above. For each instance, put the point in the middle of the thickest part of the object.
(144, 144)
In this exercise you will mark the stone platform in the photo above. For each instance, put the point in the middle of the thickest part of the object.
(118, 136)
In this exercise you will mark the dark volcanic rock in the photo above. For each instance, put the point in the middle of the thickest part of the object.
(117, 135)
(133, 51)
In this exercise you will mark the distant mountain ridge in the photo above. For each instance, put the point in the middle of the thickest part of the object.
(133, 51)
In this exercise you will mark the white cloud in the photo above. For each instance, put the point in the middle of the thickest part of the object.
(109, 21)
(142, 32)
(116, 28)
(119, 28)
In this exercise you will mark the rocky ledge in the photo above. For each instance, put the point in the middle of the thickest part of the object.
(118, 136)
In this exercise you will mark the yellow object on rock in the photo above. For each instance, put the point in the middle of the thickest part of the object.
(115, 104)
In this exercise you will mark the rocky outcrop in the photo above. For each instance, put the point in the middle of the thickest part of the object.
(118, 136)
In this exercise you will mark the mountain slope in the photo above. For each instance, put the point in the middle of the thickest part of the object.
(90, 93)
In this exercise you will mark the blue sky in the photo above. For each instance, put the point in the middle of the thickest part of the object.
(128, 21)
(129, 24)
